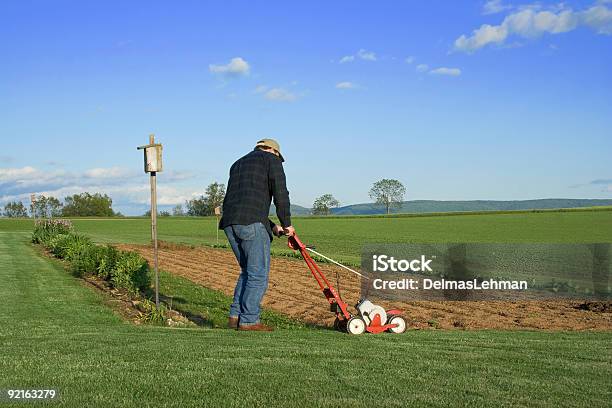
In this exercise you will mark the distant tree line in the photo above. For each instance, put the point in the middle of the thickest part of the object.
(76, 205)
(205, 204)
(387, 192)
(201, 206)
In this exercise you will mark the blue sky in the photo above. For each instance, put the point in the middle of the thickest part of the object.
(458, 100)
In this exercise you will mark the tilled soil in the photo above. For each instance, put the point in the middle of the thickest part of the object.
(293, 291)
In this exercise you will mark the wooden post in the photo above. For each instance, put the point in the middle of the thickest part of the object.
(218, 215)
(153, 165)
(154, 225)
(33, 201)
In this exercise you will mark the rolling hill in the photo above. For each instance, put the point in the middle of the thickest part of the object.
(425, 206)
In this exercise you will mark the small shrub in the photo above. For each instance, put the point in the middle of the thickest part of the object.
(127, 270)
(76, 246)
(85, 259)
(107, 259)
(152, 314)
(44, 230)
(58, 244)
(131, 272)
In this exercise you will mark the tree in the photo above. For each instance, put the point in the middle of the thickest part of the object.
(54, 207)
(38, 207)
(196, 207)
(177, 211)
(164, 213)
(205, 205)
(15, 209)
(388, 192)
(88, 205)
(324, 204)
(215, 193)
(46, 207)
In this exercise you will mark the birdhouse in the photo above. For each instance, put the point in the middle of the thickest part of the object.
(152, 157)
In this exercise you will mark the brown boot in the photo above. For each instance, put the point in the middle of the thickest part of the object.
(232, 323)
(256, 327)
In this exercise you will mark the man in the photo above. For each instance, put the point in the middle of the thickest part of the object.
(254, 180)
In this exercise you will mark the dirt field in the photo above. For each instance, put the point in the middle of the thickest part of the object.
(294, 291)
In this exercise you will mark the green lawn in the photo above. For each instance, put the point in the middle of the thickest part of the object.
(57, 333)
(342, 238)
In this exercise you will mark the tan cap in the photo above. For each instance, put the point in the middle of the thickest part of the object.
(271, 143)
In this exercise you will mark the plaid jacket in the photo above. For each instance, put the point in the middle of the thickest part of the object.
(254, 180)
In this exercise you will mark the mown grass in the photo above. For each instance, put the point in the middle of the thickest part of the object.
(55, 332)
(343, 237)
(207, 307)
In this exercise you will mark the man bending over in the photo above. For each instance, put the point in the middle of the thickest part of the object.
(255, 179)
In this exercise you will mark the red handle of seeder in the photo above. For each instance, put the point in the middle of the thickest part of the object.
(294, 243)
(328, 290)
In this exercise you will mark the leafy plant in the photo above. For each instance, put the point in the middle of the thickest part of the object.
(127, 270)
(131, 272)
(85, 260)
(58, 244)
(107, 259)
(152, 314)
(76, 246)
(44, 230)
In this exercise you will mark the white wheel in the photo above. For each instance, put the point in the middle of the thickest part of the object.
(355, 325)
(400, 322)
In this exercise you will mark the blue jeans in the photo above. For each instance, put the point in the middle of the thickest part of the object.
(251, 245)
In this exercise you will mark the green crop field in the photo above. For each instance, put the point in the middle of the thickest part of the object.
(55, 332)
(342, 237)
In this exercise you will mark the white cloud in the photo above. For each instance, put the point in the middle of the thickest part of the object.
(236, 67)
(366, 55)
(346, 85)
(494, 7)
(166, 195)
(13, 174)
(106, 173)
(123, 185)
(280, 95)
(361, 54)
(409, 60)
(599, 18)
(446, 71)
(260, 89)
(422, 68)
(530, 23)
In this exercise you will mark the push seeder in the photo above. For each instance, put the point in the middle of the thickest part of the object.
(370, 317)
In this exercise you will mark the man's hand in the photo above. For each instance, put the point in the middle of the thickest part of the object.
(289, 231)
(278, 231)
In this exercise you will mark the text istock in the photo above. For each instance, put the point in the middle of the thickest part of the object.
(384, 263)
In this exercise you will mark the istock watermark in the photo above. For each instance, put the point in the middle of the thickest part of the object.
(443, 284)
(472, 271)
(384, 263)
